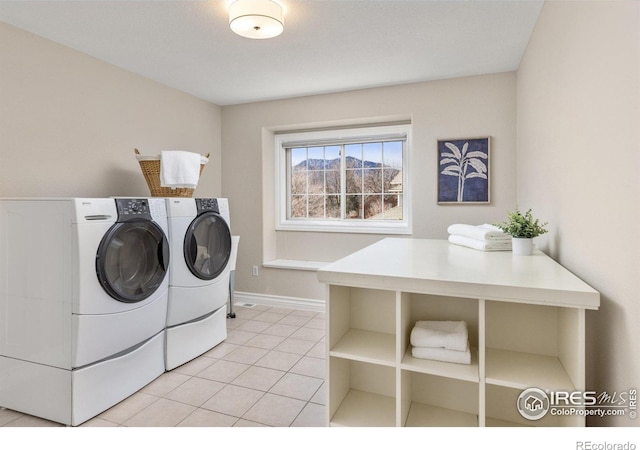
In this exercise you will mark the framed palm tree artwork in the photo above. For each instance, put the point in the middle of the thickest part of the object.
(463, 171)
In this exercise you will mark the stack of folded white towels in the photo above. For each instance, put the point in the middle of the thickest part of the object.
(441, 340)
(484, 237)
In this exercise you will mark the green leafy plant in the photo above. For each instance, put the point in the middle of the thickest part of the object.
(521, 225)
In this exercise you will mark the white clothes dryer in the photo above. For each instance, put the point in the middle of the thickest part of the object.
(83, 300)
(200, 240)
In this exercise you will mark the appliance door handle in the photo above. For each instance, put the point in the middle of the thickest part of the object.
(163, 254)
(98, 217)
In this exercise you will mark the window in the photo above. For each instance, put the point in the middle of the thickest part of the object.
(344, 180)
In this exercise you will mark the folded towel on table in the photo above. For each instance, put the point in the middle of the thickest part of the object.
(442, 354)
(179, 169)
(447, 334)
(486, 246)
(484, 232)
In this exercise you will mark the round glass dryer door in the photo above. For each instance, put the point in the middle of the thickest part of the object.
(207, 246)
(132, 260)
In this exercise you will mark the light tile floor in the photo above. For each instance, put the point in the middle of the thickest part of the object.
(268, 372)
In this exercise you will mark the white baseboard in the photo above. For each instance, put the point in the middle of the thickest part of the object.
(307, 304)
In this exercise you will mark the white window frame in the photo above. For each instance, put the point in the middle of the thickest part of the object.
(366, 133)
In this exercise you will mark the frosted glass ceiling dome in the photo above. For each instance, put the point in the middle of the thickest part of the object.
(256, 19)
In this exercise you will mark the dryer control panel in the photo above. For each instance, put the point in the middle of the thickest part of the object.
(207, 204)
(132, 209)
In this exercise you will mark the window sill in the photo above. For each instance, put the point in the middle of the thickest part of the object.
(294, 264)
(398, 228)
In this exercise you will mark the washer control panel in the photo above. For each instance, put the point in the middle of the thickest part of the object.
(207, 204)
(133, 209)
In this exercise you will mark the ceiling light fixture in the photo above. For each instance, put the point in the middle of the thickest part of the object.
(256, 19)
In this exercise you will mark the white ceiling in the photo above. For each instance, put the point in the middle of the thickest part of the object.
(327, 45)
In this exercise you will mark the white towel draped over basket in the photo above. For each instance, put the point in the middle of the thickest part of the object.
(179, 169)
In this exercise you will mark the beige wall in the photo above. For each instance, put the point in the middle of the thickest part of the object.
(457, 108)
(69, 123)
(579, 168)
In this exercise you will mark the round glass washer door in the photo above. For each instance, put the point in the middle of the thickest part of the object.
(132, 260)
(207, 245)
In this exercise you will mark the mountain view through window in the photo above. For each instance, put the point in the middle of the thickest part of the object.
(349, 181)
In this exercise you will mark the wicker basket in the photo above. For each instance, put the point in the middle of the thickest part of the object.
(150, 166)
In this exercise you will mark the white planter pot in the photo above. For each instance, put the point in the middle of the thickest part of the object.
(522, 246)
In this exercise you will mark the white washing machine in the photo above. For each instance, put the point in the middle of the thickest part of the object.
(200, 240)
(83, 301)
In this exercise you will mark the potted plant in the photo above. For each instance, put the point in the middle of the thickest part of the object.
(522, 228)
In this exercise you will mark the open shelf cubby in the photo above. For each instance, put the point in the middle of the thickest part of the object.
(363, 394)
(434, 401)
(363, 325)
(533, 346)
